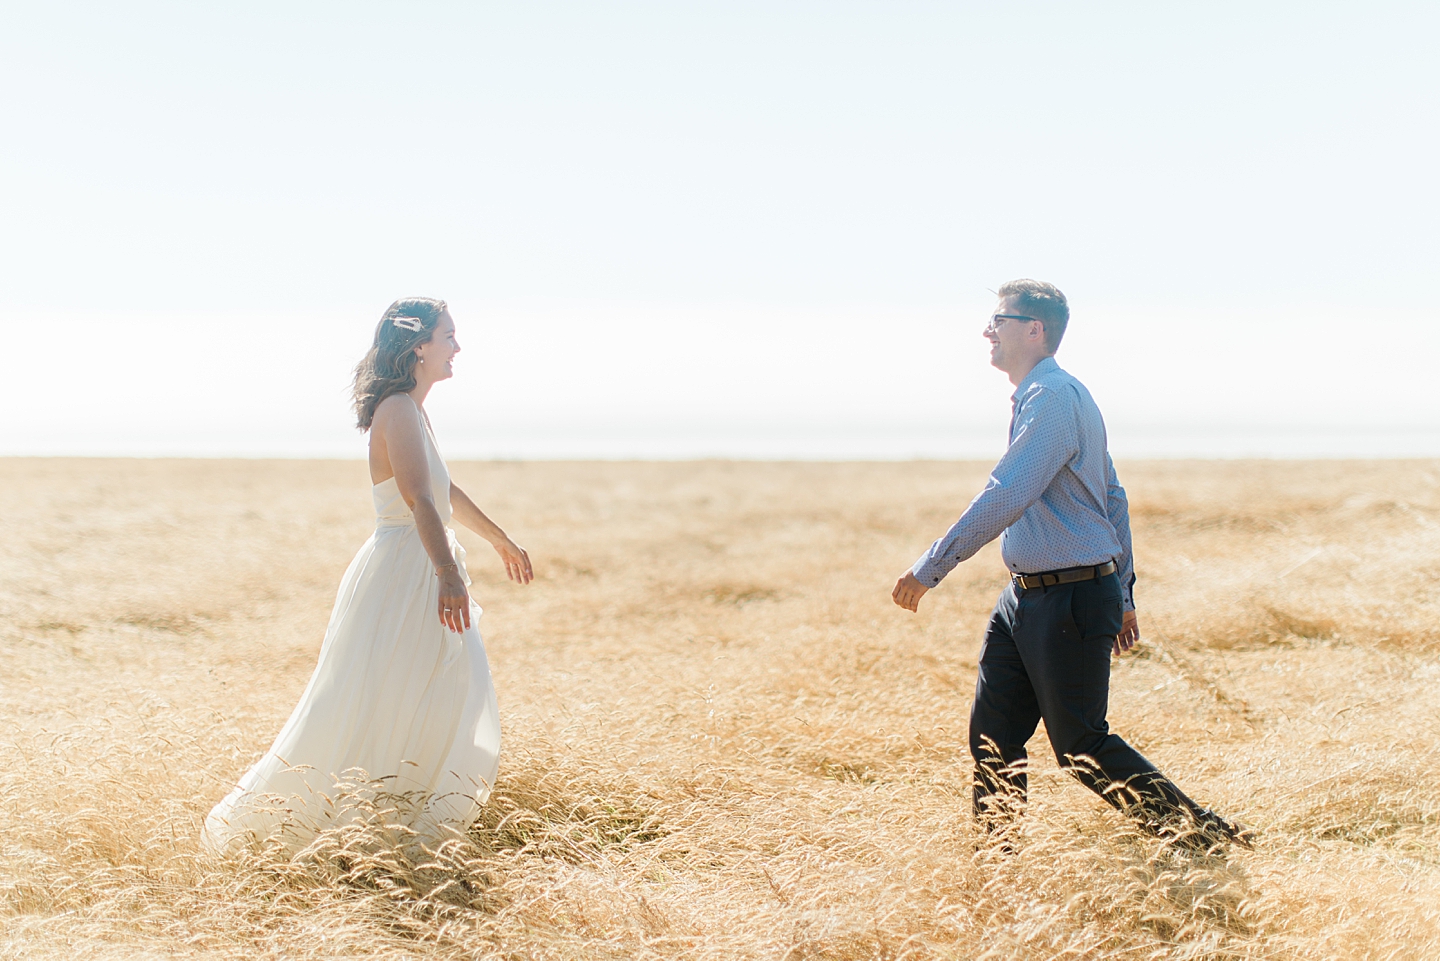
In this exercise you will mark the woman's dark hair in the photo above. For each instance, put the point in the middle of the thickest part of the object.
(389, 367)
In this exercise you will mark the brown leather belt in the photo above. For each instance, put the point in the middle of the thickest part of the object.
(1070, 575)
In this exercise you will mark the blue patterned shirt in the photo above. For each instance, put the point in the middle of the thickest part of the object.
(1053, 500)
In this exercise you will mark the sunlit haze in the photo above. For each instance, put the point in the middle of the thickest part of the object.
(738, 229)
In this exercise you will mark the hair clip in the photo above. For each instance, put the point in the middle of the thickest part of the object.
(409, 323)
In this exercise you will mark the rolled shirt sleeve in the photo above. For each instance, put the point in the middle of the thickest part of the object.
(1117, 508)
(1043, 440)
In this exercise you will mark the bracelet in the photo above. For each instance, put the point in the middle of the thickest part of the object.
(445, 567)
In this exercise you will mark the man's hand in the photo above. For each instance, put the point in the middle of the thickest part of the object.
(908, 591)
(1129, 633)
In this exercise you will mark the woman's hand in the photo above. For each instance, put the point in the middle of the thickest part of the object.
(454, 600)
(517, 562)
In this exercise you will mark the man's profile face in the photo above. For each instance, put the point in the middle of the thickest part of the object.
(1008, 338)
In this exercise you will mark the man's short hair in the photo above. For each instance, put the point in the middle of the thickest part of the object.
(1044, 302)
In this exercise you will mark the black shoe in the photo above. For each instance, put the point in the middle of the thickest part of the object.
(1208, 833)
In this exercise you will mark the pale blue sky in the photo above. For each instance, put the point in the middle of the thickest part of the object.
(720, 228)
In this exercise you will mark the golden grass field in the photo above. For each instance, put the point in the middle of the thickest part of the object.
(722, 739)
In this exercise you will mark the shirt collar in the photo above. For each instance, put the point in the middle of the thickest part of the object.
(1045, 366)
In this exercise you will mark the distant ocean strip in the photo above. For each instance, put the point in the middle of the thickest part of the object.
(752, 443)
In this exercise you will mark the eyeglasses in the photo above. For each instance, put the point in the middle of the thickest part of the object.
(997, 319)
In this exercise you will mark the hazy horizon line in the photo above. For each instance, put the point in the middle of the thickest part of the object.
(1177, 443)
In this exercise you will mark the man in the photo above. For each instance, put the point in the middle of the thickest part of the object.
(1064, 529)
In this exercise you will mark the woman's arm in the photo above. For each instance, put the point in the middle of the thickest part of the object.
(397, 425)
(517, 562)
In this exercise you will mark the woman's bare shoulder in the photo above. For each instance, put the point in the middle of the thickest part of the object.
(397, 408)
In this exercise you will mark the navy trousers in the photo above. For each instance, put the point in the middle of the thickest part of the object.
(1047, 655)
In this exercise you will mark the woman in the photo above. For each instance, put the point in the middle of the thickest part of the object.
(401, 703)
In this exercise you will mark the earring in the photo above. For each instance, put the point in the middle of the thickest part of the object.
(422, 360)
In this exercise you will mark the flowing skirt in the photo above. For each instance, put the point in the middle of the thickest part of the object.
(397, 705)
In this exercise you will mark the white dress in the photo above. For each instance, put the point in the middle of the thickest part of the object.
(398, 704)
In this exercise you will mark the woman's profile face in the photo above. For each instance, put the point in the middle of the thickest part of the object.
(438, 353)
